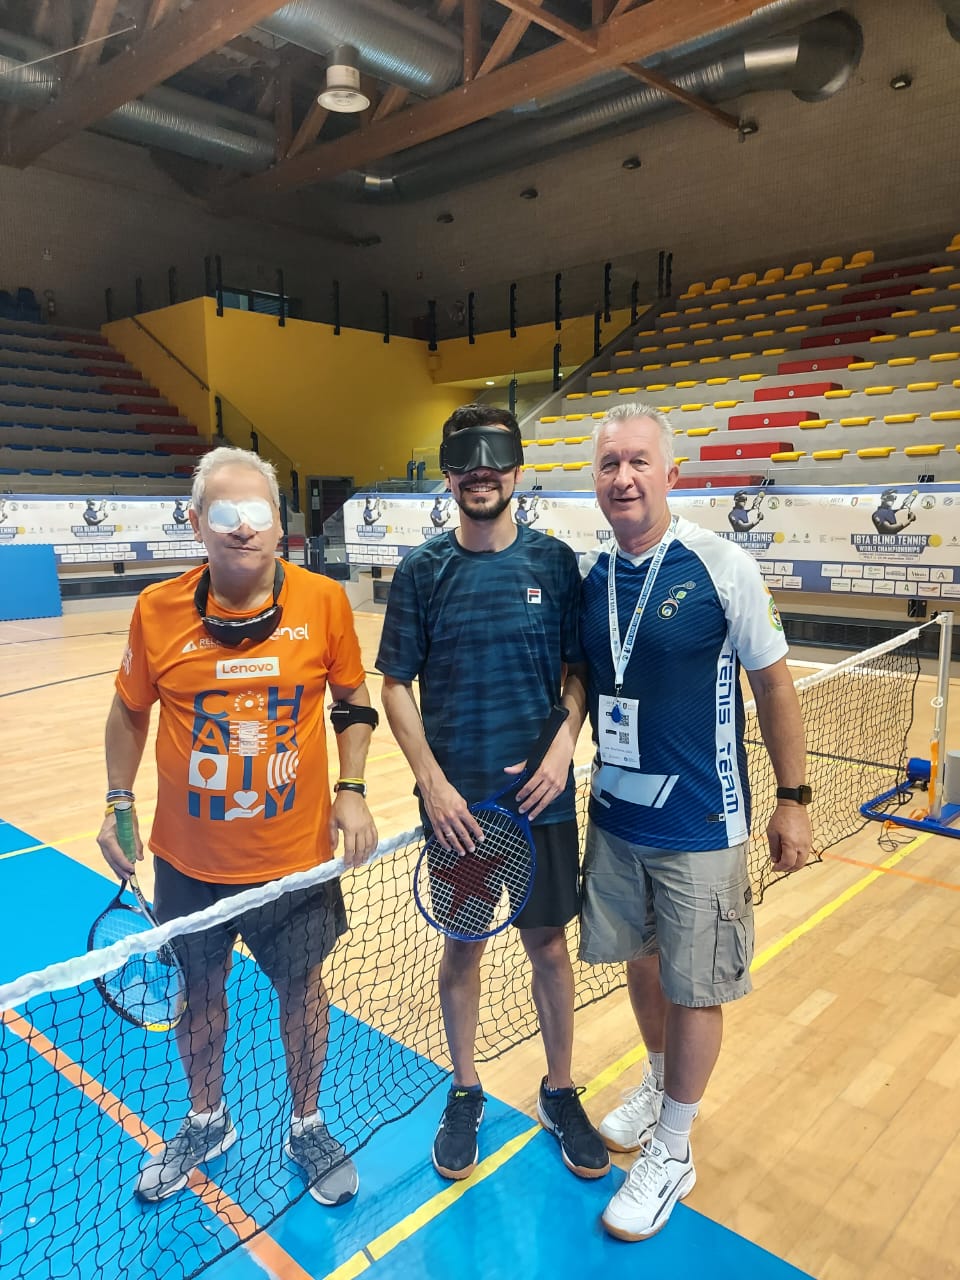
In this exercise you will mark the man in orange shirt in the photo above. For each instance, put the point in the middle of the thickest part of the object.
(238, 654)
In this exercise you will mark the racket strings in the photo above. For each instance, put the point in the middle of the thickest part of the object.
(147, 988)
(473, 894)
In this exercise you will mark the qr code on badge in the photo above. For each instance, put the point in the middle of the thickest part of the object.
(624, 739)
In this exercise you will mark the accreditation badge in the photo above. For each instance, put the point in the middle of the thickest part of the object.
(618, 731)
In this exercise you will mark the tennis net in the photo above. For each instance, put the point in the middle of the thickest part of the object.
(84, 1095)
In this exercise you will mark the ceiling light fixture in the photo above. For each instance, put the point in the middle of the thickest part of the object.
(746, 128)
(444, 217)
(343, 92)
(529, 193)
(490, 382)
(902, 80)
(631, 162)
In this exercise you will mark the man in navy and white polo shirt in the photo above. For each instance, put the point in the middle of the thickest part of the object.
(668, 617)
(485, 618)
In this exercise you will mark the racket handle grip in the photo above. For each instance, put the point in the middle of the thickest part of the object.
(551, 727)
(123, 813)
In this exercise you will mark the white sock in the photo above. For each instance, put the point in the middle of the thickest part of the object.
(299, 1123)
(656, 1067)
(673, 1130)
(209, 1117)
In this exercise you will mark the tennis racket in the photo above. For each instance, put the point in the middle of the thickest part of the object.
(910, 499)
(471, 896)
(149, 989)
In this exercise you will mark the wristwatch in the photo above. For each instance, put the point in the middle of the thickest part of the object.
(802, 794)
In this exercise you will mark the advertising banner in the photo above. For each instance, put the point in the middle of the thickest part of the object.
(94, 530)
(901, 540)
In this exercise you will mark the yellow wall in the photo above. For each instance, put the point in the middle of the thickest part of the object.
(496, 354)
(183, 330)
(349, 405)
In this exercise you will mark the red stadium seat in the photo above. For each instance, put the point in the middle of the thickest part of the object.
(759, 421)
(789, 391)
(817, 366)
(840, 339)
(762, 449)
(855, 317)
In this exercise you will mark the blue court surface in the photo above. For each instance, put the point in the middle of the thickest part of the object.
(529, 1217)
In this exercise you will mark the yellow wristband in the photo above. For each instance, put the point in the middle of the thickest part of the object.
(362, 781)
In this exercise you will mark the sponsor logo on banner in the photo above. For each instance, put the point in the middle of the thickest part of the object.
(243, 668)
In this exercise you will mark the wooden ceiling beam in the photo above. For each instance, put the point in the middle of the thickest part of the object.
(621, 6)
(644, 31)
(156, 56)
(158, 10)
(502, 49)
(310, 127)
(471, 39)
(446, 9)
(531, 10)
(391, 101)
(657, 81)
(91, 37)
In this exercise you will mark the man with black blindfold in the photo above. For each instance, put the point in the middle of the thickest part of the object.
(238, 653)
(485, 618)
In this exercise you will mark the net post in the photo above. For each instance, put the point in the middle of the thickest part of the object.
(939, 736)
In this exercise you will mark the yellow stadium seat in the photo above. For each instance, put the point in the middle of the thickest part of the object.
(595, 394)
(675, 346)
(900, 419)
(687, 382)
(718, 382)
(544, 466)
(721, 283)
(575, 439)
(876, 451)
(574, 417)
(897, 361)
(878, 391)
(601, 373)
(746, 281)
(725, 404)
(775, 297)
(734, 337)
(923, 386)
(680, 364)
(712, 359)
(817, 306)
(627, 391)
(945, 415)
(923, 450)
(774, 351)
(598, 415)
(646, 368)
(695, 289)
(829, 455)
(869, 364)
(701, 431)
(922, 333)
(679, 460)
(747, 302)
(954, 245)
(764, 333)
(719, 306)
(863, 421)
(673, 328)
(627, 368)
(772, 275)
(883, 337)
(666, 315)
(814, 424)
(944, 306)
(577, 395)
(691, 408)
(551, 418)
(548, 441)
(800, 271)
(793, 455)
(744, 355)
(574, 466)
(657, 386)
(904, 315)
(796, 328)
(922, 289)
(946, 355)
(862, 258)
(730, 320)
(831, 287)
(751, 377)
(828, 266)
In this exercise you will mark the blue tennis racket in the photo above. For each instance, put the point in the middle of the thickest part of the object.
(471, 896)
(149, 989)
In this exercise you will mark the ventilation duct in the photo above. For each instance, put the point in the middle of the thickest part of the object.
(393, 43)
(162, 118)
(813, 63)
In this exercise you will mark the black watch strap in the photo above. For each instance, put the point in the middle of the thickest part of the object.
(359, 787)
(801, 794)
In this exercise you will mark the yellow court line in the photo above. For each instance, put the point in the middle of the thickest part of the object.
(420, 1217)
(54, 845)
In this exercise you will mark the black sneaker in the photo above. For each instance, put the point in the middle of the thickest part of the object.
(455, 1148)
(562, 1114)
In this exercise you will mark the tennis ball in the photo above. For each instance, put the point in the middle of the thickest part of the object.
(934, 540)
(778, 536)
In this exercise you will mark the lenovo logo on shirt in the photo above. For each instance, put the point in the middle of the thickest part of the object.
(244, 668)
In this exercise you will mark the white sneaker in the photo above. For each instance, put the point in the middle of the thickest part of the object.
(631, 1125)
(653, 1186)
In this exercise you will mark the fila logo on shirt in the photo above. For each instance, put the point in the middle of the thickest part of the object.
(533, 595)
(243, 668)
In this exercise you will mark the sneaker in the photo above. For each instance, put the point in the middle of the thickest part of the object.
(332, 1175)
(631, 1125)
(581, 1146)
(455, 1150)
(653, 1186)
(198, 1140)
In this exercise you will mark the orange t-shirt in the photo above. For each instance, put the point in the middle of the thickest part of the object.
(242, 790)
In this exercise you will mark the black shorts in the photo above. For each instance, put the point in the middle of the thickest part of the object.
(555, 897)
(288, 936)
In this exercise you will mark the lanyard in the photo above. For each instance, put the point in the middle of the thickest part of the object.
(621, 654)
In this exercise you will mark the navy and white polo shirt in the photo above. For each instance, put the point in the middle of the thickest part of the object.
(709, 612)
(486, 634)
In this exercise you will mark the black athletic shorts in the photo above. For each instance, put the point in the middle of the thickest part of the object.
(288, 936)
(555, 897)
